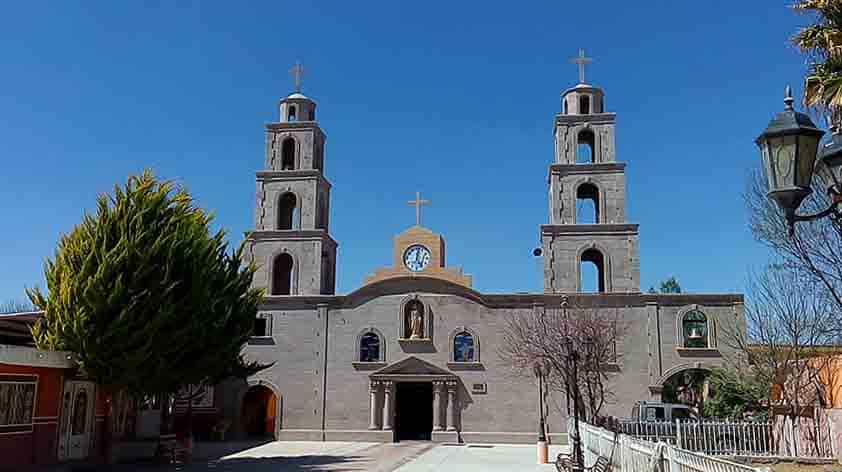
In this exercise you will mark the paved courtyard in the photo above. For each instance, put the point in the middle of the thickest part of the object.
(296, 456)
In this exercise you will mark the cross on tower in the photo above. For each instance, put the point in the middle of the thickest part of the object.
(417, 203)
(581, 60)
(297, 72)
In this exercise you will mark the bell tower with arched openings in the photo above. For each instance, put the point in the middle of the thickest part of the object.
(588, 199)
(291, 243)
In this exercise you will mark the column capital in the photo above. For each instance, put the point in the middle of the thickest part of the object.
(451, 386)
(387, 385)
(373, 386)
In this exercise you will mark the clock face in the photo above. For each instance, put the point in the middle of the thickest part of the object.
(416, 257)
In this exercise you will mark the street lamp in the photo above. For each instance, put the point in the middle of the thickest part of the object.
(789, 147)
(573, 383)
(541, 369)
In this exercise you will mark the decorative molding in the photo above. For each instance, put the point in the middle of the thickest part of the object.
(609, 229)
(465, 366)
(368, 365)
(698, 352)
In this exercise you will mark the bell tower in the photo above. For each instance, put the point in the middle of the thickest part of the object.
(291, 242)
(587, 198)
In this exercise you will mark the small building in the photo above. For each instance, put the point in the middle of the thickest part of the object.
(47, 414)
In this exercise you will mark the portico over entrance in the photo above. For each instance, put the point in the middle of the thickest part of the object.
(416, 400)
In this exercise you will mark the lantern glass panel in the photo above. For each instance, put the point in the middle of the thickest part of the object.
(782, 153)
(767, 164)
(807, 148)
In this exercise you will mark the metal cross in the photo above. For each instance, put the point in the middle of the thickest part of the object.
(417, 203)
(581, 61)
(297, 72)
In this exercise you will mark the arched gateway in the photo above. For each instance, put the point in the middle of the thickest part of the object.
(260, 412)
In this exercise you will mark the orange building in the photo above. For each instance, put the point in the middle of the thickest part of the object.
(47, 415)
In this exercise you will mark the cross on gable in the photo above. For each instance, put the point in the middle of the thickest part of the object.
(581, 61)
(417, 203)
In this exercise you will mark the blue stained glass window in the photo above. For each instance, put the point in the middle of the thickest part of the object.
(369, 348)
(463, 347)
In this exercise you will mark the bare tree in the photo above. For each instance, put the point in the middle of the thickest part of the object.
(543, 334)
(814, 248)
(788, 321)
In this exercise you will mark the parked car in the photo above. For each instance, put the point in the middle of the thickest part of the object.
(652, 412)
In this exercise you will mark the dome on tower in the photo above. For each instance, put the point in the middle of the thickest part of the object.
(297, 107)
(583, 99)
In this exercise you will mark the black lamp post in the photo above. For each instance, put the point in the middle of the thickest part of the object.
(541, 369)
(573, 383)
(789, 147)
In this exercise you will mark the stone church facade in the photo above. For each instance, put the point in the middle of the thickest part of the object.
(413, 353)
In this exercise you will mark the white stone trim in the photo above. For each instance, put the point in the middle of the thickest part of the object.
(29, 356)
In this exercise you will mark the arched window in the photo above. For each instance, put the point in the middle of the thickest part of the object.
(288, 212)
(463, 347)
(291, 114)
(288, 154)
(694, 325)
(282, 275)
(585, 148)
(370, 347)
(584, 105)
(312, 116)
(592, 271)
(564, 104)
(587, 204)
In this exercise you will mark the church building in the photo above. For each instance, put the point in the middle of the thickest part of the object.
(413, 353)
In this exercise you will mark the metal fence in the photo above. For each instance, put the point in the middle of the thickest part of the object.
(780, 438)
(629, 454)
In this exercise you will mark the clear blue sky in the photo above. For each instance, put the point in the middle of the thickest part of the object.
(454, 99)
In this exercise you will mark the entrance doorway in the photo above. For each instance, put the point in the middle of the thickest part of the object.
(260, 411)
(414, 411)
(77, 415)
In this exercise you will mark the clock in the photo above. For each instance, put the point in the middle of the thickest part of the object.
(416, 257)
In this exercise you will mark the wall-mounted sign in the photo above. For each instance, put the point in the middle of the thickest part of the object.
(479, 388)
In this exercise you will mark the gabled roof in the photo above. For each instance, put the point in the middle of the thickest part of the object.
(412, 368)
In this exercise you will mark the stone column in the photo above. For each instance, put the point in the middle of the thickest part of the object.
(437, 419)
(451, 406)
(372, 388)
(387, 404)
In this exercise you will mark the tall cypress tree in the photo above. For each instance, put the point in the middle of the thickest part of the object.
(147, 296)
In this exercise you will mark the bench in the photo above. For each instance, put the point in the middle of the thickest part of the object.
(565, 463)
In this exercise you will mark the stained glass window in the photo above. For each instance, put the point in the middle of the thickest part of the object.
(463, 347)
(369, 348)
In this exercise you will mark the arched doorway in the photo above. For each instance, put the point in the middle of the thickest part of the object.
(260, 416)
(689, 387)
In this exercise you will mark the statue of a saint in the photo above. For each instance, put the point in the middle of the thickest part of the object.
(416, 323)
